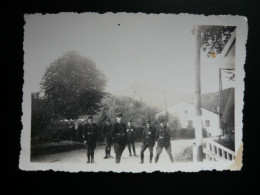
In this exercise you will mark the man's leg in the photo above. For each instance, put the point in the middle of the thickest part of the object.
(116, 149)
(88, 153)
(133, 145)
(109, 149)
(169, 152)
(158, 152)
(143, 148)
(92, 156)
(106, 149)
(121, 150)
(129, 148)
(151, 153)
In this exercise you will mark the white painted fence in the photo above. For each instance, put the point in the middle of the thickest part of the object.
(217, 152)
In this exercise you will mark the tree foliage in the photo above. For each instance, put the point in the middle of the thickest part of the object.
(132, 109)
(41, 117)
(73, 86)
(214, 38)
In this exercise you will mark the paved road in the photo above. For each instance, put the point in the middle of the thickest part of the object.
(181, 150)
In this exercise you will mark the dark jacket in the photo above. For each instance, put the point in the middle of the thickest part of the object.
(163, 135)
(90, 132)
(106, 130)
(148, 136)
(130, 131)
(118, 133)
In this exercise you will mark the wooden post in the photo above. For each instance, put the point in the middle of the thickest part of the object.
(197, 98)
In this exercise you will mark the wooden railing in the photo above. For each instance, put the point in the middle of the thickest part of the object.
(217, 152)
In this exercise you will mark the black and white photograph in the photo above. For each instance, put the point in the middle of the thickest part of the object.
(133, 92)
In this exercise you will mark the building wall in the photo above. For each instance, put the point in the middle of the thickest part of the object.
(186, 113)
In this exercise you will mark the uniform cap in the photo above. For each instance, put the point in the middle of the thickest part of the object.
(147, 121)
(119, 114)
(89, 116)
(162, 120)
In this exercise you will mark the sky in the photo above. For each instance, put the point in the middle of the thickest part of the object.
(142, 55)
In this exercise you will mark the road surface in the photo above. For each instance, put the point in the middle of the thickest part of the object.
(181, 150)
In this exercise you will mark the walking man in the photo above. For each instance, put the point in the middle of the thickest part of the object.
(90, 135)
(106, 132)
(119, 137)
(148, 139)
(130, 131)
(164, 140)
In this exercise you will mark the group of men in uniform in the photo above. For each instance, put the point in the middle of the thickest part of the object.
(121, 135)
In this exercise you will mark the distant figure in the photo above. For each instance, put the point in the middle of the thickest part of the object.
(119, 137)
(130, 131)
(148, 139)
(163, 140)
(90, 135)
(106, 132)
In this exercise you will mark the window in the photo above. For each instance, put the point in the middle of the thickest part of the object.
(207, 123)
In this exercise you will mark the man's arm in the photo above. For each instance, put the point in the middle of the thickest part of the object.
(156, 134)
(102, 130)
(169, 132)
(83, 133)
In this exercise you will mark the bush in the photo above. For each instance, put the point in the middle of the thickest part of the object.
(55, 147)
(185, 133)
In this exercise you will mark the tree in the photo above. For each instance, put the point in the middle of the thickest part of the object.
(40, 115)
(131, 109)
(214, 38)
(73, 86)
(213, 41)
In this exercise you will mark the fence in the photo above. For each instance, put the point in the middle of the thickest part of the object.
(217, 152)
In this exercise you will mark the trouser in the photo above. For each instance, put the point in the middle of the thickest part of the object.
(159, 151)
(90, 152)
(143, 148)
(108, 147)
(119, 148)
(131, 145)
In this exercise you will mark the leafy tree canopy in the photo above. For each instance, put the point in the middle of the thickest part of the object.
(132, 109)
(73, 86)
(214, 38)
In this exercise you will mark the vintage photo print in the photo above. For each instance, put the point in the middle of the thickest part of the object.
(127, 92)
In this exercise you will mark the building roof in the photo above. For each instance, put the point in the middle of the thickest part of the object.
(189, 102)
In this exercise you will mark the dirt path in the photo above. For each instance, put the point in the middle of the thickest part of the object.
(181, 150)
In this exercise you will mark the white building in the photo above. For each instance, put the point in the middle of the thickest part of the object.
(185, 112)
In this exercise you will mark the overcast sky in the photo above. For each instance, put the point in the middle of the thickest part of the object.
(141, 55)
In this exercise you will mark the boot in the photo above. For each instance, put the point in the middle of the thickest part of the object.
(151, 157)
(88, 156)
(106, 156)
(142, 159)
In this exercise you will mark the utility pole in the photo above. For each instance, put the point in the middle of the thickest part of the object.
(197, 146)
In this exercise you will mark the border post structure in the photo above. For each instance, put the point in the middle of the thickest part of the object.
(198, 122)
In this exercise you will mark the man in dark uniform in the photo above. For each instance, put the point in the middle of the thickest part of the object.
(106, 132)
(163, 140)
(130, 131)
(119, 137)
(148, 139)
(90, 135)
